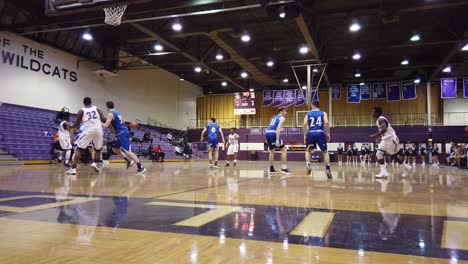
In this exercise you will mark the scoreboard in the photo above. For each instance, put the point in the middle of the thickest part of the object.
(244, 103)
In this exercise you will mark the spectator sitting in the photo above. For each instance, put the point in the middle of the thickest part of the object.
(159, 153)
(147, 137)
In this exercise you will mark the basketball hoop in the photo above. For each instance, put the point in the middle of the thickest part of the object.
(114, 14)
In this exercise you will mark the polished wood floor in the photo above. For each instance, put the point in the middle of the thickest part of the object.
(185, 212)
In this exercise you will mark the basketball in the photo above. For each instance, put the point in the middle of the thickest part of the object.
(133, 125)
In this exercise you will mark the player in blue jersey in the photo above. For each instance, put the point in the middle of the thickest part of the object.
(213, 130)
(122, 146)
(317, 132)
(275, 142)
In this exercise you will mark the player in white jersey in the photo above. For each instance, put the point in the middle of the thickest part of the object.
(232, 147)
(92, 118)
(64, 137)
(389, 144)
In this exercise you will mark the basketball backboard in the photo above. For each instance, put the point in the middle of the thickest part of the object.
(66, 7)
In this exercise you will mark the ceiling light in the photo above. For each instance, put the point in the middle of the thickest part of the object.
(304, 87)
(244, 75)
(87, 36)
(245, 37)
(224, 83)
(415, 37)
(356, 56)
(357, 75)
(270, 63)
(158, 47)
(465, 48)
(361, 83)
(417, 80)
(181, 79)
(303, 49)
(282, 11)
(354, 27)
(447, 69)
(219, 56)
(177, 26)
(198, 69)
(285, 80)
(251, 89)
(282, 15)
(405, 62)
(315, 70)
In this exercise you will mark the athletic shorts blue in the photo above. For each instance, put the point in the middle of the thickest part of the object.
(317, 138)
(122, 141)
(271, 140)
(213, 142)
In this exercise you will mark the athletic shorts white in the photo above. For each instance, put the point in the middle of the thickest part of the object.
(65, 142)
(94, 136)
(390, 146)
(232, 149)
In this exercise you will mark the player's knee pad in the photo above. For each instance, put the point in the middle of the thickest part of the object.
(380, 154)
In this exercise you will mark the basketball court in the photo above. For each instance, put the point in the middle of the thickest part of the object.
(174, 68)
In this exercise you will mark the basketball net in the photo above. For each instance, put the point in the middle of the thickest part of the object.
(114, 14)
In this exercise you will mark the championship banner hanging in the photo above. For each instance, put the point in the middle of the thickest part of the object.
(300, 99)
(289, 97)
(267, 98)
(465, 87)
(365, 91)
(448, 88)
(379, 91)
(393, 92)
(278, 98)
(315, 94)
(354, 93)
(408, 90)
(336, 91)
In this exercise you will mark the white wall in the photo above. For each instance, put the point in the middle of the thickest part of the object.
(144, 94)
(456, 110)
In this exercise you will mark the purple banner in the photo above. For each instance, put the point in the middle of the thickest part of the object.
(278, 99)
(300, 99)
(393, 92)
(379, 91)
(267, 98)
(294, 131)
(448, 87)
(315, 94)
(289, 97)
(354, 93)
(408, 90)
(365, 91)
(336, 91)
(256, 131)
(465, 87)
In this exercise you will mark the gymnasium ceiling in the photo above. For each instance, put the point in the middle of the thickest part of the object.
(383, 41)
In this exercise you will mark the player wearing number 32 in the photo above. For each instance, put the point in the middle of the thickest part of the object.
(317, 131)
(92, 119)
(122, 145)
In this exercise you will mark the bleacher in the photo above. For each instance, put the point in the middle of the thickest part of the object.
(28, 133)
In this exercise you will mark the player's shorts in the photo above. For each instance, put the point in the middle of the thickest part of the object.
(65, 142)
(233, 149)
(317, 138)
(390, 146)
(94, 136)
(122, 141)
(213, 142)
(271, 140)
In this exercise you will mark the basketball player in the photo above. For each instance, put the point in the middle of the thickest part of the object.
(92, 118)
(275, 142)
(122, 145)
(388, 142)
(340, 154)
(64, 137)
(213, 141)
(318, 132)
(232, 147)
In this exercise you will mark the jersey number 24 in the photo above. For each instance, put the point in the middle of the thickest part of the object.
(314, 122)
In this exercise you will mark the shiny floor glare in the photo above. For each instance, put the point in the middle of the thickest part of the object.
(185, 212)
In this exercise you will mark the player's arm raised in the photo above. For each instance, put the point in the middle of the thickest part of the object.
(110, 117)
(327, 126)
(202, 135)
(79, 119)
(305, 128)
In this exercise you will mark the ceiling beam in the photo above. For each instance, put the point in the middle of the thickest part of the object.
(455, 49)
(310, 43)
(150, 33)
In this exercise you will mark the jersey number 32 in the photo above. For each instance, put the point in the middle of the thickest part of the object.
(91, 115)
